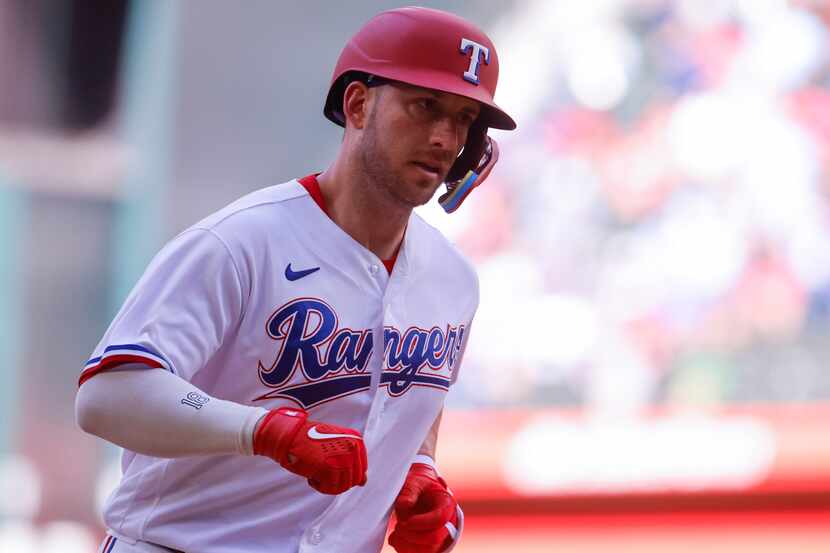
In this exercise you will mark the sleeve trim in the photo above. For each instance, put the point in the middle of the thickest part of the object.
(121, 354)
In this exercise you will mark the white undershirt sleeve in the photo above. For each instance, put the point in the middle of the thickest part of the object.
(154, 412)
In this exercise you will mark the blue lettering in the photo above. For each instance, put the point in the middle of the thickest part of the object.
(435, 348)
(350, 349)
(392, 346)
(289, 325)
(458, 341)
(407, 354)
(307, 332)
(414, 347)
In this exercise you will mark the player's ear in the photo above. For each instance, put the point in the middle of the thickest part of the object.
(356, 104)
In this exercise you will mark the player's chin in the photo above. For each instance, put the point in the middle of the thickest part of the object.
(424, 177)
(420, 196)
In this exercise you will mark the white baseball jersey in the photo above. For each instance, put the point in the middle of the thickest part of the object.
(268, 302)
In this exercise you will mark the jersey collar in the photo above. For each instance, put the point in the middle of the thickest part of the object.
(312, 185)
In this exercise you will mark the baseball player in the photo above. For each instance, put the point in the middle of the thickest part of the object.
(277, 375)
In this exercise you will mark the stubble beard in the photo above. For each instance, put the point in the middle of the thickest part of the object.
(382, 179)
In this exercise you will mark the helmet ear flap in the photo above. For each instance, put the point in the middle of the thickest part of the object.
(472, 167)
(333, 109)
(471, 154)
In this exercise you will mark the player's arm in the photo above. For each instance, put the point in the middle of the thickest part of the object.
(168, 322)
(429, 519)
(154, 412)
(431, 441)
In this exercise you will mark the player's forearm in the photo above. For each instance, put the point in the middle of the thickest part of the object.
(153, 412)
(430, 443)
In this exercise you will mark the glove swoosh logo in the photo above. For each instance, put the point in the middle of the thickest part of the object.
(315, 434)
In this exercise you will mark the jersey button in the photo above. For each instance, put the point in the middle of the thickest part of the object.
(374, 269)
(315, 538)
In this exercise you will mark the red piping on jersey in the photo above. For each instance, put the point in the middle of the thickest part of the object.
(311, 184)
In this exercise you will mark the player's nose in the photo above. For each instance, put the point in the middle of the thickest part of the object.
(445, 136)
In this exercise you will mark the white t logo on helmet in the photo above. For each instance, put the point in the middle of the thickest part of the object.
(471, 74)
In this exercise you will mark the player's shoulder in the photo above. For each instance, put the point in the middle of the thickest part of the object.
(442, 253)
(252, 222)
(258, 207)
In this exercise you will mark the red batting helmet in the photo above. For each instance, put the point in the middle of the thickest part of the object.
(427, 48)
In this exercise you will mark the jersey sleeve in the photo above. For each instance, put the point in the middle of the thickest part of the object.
(179, 312)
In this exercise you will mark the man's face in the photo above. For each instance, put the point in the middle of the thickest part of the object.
(411, 139)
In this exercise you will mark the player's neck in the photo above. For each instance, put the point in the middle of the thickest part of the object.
(375, 222)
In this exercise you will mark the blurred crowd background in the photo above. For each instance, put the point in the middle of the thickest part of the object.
(659, 231)
(656, 236)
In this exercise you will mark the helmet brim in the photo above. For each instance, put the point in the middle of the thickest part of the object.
(491, 115)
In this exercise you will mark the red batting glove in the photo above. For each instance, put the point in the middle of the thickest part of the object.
(332, 458)
(427, 513)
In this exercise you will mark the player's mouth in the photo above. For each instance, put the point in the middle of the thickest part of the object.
(433, 171)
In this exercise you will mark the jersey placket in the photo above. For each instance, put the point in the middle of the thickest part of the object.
(315, 539)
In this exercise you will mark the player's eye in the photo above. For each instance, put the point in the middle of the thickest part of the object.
(426, 104)
(466, 118)
(424, 108)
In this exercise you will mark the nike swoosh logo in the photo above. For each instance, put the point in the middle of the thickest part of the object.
(297, 275)
(315, 434)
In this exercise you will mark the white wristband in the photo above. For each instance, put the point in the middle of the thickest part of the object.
(425, 460)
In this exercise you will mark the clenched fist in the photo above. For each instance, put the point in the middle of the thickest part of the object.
(428, 515)
(332, 458)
